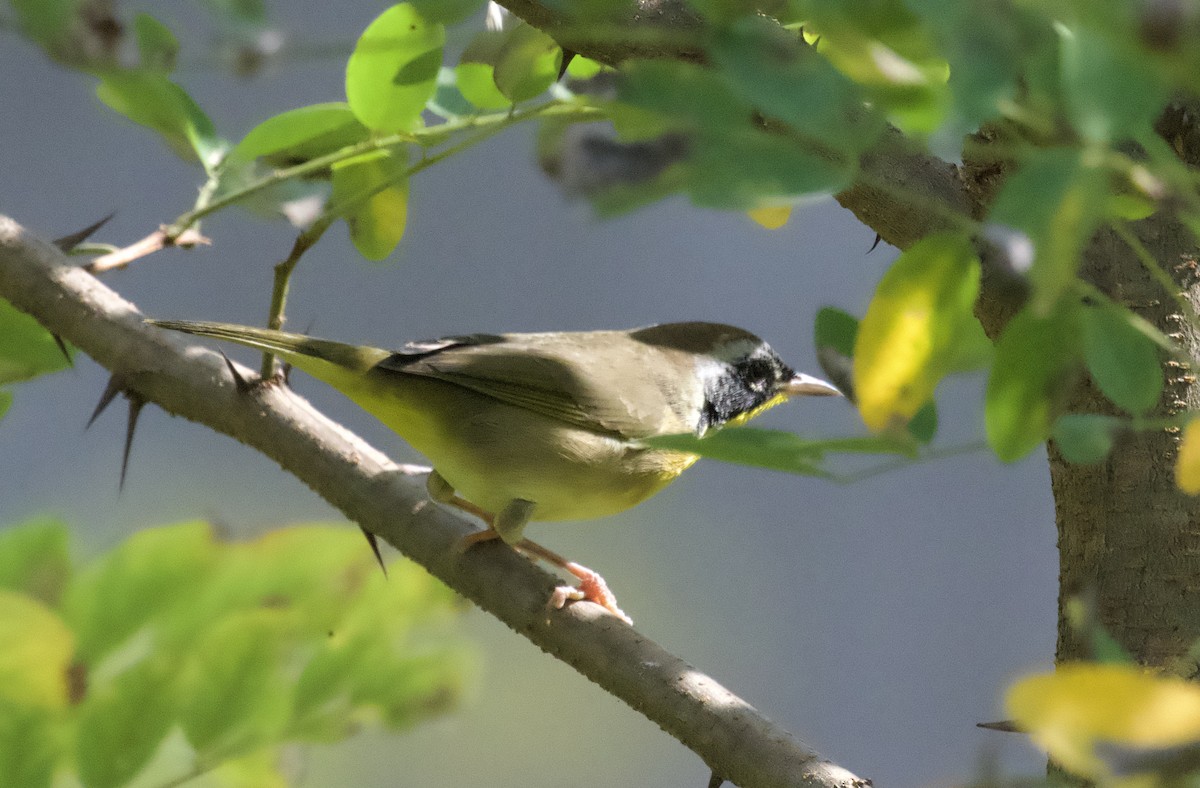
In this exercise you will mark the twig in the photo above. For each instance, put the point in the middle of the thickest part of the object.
(159, 239)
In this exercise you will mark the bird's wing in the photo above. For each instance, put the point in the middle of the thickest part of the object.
(568, 377)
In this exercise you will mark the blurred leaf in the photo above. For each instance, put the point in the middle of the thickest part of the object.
(778, 450)
(259, 769)
(26, 349)
(151, 572)
(149, 99)
(393, 69)
(1085, 438)
(914, 328)
(235, 692)
(371, 193)
(1057, 201)
(924, 423)
(779, 74)
(1187, 466)
(447, 12)
(5, 402)
(478, 86)
(123, 721)
(31, 745)
(302, 134)
(771, 217)
(684, 95)
(1036, 362)
(37, 650)
(34, 559)
(1080, 707)
(46, 21)
(583, 68)
(527, 63)
(157, 45)
(834, 334)
(1111, 88)
(1123, 361)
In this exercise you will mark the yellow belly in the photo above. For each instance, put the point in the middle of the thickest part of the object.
(493, 453)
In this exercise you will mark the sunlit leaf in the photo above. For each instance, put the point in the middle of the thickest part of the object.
(1081, 710)
(371, 193)
(1085, 438)
(1122, 360)
(393, 69)
(527, 63)
(26, 349)
(34, 559)
(913, 328)
(1036, 362)
(771, 217)
(303, 133)
(152, 572)
(37, 649)
(149, 98)
(1187, 465)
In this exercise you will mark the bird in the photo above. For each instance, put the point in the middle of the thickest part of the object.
(550, 426)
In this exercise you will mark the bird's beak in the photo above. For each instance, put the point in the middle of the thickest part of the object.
(807, 385)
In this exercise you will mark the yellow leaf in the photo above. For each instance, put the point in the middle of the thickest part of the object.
(1187, 466)
(35, 652)
(1069, 712)
(914, 329)
(772, 217)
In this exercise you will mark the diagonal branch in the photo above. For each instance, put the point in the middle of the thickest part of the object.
(732, 737)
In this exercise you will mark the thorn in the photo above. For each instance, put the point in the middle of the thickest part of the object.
(1004, 726)
(69, 242)
(878, 238)
(136, 404)
(110, 392)
(373, 540)
(567, 57)
(63, 347)
(716, 781)
(243, 386)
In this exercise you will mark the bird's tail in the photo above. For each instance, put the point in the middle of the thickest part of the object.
(299, 350)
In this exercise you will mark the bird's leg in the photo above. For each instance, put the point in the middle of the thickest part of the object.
(508, 525)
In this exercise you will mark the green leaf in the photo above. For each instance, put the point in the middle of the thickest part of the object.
(527, 64)
(686, 96)
(302, 134)
(393, 69)
(583, 68)
(1111, 89)
(745, 168)
(1036, 362)
(447, 12)
(778, 73)
(778, 450)
(26, 349)
(1085, 438)
(149, 99)
(1056, 200)
(235, 694)
(1122, 360)
(5, 402)
(47, 22)
(123, 721)
(371, 194)
(37, 650)
(834, 333)
(924, 423)
(34, 559)
(152, 572)
(157, 45)
(915, 327)
(31, 745)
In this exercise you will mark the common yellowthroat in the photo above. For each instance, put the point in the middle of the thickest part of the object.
(523, 427)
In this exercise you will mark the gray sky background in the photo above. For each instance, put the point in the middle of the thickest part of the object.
(879, 621)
